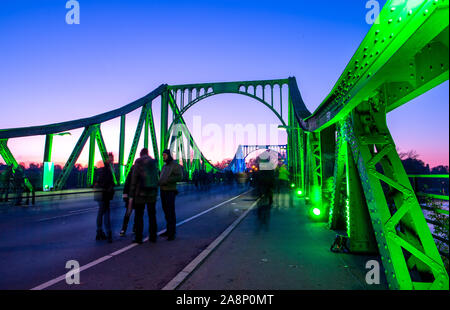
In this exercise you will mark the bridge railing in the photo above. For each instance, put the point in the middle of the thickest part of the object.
(435, 207)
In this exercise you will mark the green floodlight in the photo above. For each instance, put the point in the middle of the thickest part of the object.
(316, 211)
(292, 185)
(299, 192)
(48, 176)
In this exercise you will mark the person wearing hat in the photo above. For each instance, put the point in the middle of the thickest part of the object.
(171, 173)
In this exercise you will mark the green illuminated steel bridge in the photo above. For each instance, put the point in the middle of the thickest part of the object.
(344, 147)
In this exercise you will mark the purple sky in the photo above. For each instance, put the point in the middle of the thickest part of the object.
(121, 50)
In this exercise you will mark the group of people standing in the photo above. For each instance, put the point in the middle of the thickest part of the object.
(14, 181)
(141, 190)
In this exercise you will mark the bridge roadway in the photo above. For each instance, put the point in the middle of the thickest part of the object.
(293, 253)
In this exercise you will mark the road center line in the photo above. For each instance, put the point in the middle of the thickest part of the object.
(128, 247)
(182, 275)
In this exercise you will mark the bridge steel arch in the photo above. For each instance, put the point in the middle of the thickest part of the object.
(237, 164)
(190, 94)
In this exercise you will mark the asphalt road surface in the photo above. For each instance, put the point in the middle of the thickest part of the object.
(37, 241)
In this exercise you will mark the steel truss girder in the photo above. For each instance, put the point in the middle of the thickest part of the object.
(247, 88)
(181, 126)
(403, 236)
(248, 149)
(122, 150)
(103, 152)
(314, 165)
(151, 127)
(337, 219)
(137, 136)
(62, 178)
(349, 211)
(93, 133)
(407, 50)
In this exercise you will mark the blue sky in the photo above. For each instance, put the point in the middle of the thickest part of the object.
(121, 50)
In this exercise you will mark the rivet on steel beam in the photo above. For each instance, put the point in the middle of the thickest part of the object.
(393, 9)
(390, 21)
(425, 12)
(399, 19)
(410, 12)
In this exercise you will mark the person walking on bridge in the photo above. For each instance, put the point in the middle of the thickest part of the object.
(265, 180)
(105, 182)
(143, 191)
(171, 173)
(5, 183)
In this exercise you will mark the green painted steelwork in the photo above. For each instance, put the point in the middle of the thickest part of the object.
(11, 161)
(436, 176)
(48, 148)
(137, 136)
(342, 156)
(151, 125)
(73, 157)
(122, 168)
(81, 123)
(48, 173)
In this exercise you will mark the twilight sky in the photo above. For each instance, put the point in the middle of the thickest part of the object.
(121, 50)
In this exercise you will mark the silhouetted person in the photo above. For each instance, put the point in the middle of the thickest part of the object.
(265, 180)
(105, 182)
(171, 173)
(282, 179)
(128, 206)
(5, 182)
(143, 191)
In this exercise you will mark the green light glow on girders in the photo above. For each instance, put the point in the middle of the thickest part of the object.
(410, 4)
(292, 185)
(122, 174)
(316, 195)
(299, 192)
(316, 211)
(347, 209)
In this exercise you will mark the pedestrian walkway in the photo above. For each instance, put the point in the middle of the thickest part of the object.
(292, 254)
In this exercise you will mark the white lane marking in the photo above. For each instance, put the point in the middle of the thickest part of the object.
(208, 210)
(75, 212)
(182, 275)
(106, 257)
(81, 210)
